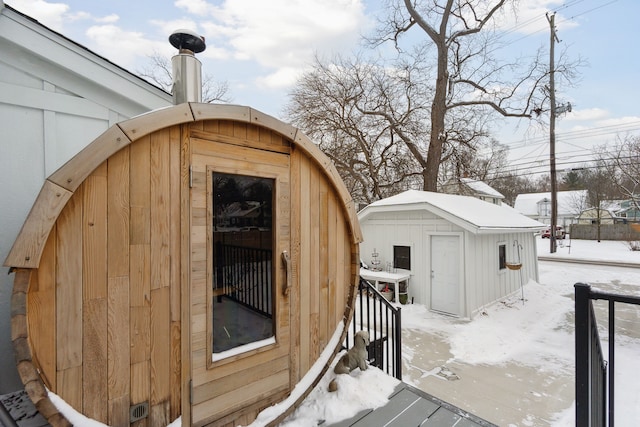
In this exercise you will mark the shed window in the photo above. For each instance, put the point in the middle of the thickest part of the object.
(402, 257)
(502, 257)
(242, 260)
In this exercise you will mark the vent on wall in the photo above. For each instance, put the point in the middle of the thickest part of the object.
(138, 411)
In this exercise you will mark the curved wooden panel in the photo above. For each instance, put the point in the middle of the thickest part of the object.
(144, 124)
(272, 123)
(28, 247)
(27, 370)
(220, 112)
(75, 171)
(312, 150)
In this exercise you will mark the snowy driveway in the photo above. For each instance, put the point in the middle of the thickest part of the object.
(514, 364)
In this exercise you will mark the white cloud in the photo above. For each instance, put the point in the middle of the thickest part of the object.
(168, 27)
(281, 34)
(621, 121)
(50, 14)
(109, 19)
(531, 18)
(124, 47)
(196, 7)
(588, 114)
(56, 15)
(282, 78)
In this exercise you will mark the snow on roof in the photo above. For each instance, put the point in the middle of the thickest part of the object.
(569, 202)
(470, 213)
(481, 187)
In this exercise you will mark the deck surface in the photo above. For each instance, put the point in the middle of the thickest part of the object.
(407, 407)
(410, 407)
(16, 409)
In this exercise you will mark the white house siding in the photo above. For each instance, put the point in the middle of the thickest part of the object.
(383, 230)
(55, 98)
(485, 282)
(481, 281)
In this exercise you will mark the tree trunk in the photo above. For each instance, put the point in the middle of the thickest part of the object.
(438, 112)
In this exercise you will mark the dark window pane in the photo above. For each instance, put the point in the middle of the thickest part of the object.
(502, 257)
(402, 257)
(242, 260)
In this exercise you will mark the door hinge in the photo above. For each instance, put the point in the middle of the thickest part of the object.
(191, 392)
(190, 176)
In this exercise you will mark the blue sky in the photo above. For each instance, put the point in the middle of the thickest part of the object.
(259, 47)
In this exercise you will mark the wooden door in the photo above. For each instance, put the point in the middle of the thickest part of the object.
(445, 273)
(239, 305)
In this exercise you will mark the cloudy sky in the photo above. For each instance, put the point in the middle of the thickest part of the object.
(259, 47)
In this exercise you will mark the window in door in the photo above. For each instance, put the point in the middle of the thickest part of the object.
(243, 276)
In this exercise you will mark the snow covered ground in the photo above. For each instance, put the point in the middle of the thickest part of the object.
(521, 350)
(533, 339)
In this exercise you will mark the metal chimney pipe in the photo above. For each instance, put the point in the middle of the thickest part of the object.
(187, 69)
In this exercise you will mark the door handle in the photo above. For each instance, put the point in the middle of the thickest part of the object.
(286, 260)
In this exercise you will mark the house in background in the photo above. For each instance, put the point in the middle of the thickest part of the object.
(628, 210)
(591, 216)
(474, 188)
(56, 96)
(538, 206)
(459, 248)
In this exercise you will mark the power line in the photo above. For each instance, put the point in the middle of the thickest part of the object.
(541, 168)
(582, 133)
(593, 9)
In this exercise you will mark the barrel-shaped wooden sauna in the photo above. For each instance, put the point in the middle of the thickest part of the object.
(195, 261)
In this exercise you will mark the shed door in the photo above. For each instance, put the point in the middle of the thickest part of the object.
(239, 311)
(445, 274)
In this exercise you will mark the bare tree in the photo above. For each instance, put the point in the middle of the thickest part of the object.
(510, 184)
(467, 76)
(158, 71)
(338, 102)
(621, 160)
(485, 160)
(599, 189)
(433, 103)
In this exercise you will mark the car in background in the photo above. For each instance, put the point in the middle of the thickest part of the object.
(560, 233)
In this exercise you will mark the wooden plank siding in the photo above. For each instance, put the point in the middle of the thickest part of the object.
(119, 288)
(226, 390)
(313, 227)
(104, 326)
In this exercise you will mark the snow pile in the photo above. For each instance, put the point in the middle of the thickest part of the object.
(357, 391)
(505, 331)
(74, 417)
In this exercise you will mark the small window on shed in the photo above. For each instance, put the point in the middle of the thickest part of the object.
(402, 257)
(502, 257)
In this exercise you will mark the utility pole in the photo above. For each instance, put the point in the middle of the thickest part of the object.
(552, 135)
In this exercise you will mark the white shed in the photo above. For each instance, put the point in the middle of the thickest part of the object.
(461, 252)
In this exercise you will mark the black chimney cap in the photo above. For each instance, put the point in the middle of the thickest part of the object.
(187, 39)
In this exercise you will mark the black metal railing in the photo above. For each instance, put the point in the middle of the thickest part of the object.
(244, 275)
(594, 394)
(374, 314)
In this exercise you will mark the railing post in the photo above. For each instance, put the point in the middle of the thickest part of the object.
(582, 353)
(398, 344)
(612, 361)
(380, 312)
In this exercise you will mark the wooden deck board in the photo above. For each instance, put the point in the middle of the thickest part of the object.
(410, 407)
